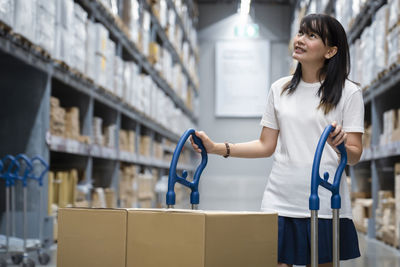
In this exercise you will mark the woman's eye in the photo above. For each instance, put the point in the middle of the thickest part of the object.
(312, 35)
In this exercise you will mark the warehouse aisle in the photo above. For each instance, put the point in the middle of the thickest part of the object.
(374, 253)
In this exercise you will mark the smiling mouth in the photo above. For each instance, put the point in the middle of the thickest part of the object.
(298, 49)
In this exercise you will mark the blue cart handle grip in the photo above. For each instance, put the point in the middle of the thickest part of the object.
(316, 179)
(28, 168)
(12, 171)
(173, 177)
(44, 171)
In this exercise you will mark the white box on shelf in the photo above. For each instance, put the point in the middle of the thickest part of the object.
(7, 12)
(45, 28)
(90, 50)
(25, 18)
(118, 76)
(131, 17)
(110, 66)
(101, 39)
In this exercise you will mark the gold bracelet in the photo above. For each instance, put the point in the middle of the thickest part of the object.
(228, 150)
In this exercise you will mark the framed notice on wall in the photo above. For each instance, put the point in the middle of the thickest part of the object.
(242, 78)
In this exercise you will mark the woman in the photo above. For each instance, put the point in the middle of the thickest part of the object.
(299, 107)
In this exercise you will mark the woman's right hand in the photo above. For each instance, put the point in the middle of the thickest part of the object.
(208, 144)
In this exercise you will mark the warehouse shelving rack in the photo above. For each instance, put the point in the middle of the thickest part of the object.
(29, 77)
(377, 161)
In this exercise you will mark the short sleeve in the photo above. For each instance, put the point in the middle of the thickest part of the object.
(269, 118)
(353, 113)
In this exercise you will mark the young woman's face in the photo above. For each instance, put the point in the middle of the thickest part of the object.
(309, 48)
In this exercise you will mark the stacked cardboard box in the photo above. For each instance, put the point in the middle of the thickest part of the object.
(146, 183)
(166, 66)
(394, 7)
(45, 25)
(131, 18)
(158, 150)
(98, 198)
(118, 76)
(128, 186)
(385, 217)
(145, 32)
(362, 210)
(62, 185)
(111, 200)
(366, 138)
(393, 46)
(90, 67)
(79, 37)
(396, 127)
(64, 31)
(104, 50)
(25, 18)
(72, 129)
(391, 127)
(154, 53)
(380, 39)
(144, 147)
(109, 135)
(170, 30)
(97, 131)
(139, 237)
(103, 198)
(7, 12)
(127, 140)
(131, 83)
(57, 117)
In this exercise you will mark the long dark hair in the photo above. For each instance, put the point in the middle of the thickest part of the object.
(336, 69)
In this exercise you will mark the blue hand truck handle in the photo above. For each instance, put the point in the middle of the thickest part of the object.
(316, 179)
(45, 170)
(9, 175)
(28, 168)
(173, 177)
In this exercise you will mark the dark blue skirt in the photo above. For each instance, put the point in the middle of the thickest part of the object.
(294, 243)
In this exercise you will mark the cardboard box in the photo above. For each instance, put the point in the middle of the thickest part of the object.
(91, 237)
(72, 127)
(169, 238)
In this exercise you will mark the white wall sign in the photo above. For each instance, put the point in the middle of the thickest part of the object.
(242, 78)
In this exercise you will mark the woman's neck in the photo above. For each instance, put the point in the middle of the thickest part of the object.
(310, 74)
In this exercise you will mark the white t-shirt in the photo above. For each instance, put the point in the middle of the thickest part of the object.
(300, 126)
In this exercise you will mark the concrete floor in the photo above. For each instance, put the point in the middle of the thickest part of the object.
(373, 254)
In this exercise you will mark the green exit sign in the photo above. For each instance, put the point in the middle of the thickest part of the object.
(247, 30)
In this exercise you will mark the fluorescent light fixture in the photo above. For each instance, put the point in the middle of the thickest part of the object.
(244, 7)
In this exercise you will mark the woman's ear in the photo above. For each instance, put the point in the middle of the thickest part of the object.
(331, 52)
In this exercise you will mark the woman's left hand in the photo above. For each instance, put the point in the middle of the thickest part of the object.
(337, 137)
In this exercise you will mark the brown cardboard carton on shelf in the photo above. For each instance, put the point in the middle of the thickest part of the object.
(396, 130)
(131, 141)
(123, 140)
(169, 238)
(72, 128)
(144, 148)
